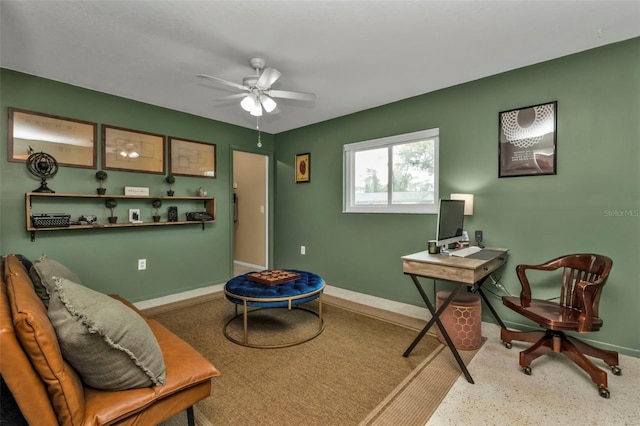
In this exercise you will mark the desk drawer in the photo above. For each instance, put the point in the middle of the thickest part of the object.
(491, 266)
(439, 271)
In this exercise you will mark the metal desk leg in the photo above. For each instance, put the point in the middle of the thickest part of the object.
(435, 317)
(493, 311)
(478, 289)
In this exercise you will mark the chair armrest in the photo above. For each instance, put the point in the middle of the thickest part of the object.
(588, 293)
(525, 293)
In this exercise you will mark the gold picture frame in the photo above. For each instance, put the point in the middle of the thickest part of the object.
(70, 141)
(192, 158)
(132, 150)
(303, 168)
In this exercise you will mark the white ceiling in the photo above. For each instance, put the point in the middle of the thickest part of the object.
(353, 55)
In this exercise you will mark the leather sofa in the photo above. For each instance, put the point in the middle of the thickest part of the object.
(62, 397)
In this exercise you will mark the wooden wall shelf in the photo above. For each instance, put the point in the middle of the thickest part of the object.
(31, 197)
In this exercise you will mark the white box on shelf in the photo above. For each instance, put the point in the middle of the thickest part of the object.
(136, 190)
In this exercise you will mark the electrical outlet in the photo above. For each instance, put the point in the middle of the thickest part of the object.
(142, 264)
(303, 250)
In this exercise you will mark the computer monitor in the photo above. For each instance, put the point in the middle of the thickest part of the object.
(450, 223)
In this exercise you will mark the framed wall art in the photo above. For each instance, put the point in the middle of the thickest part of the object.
(527, 141)
(132, 150)
(303, 168)
(191, 158)
(71, 142)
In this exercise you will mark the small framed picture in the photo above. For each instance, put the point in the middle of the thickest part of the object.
(303, 168)
(134, 216)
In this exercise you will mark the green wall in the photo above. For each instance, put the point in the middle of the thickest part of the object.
(598, 94)
(538, 218)
(179, 258)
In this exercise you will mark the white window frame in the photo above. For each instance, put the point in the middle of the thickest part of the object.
(348, 205)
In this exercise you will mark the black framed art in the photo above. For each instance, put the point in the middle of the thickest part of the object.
(528, 141)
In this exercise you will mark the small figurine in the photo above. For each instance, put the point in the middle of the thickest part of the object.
(202, 192)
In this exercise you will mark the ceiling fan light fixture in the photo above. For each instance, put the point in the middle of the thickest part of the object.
(249, 103)
(257, 112)
(268, 103)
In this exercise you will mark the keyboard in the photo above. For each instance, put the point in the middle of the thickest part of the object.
(467, 251)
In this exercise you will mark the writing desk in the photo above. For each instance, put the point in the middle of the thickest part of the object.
(463, 271)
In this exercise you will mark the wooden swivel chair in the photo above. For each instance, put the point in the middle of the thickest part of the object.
(576, 309)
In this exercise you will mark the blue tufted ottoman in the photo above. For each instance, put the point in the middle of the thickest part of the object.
(244, 292)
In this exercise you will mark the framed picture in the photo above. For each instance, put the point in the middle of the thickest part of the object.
(303, 168)
(132, 150)
(191, 158)
(71, 142)
(527, 141)
(134, 216)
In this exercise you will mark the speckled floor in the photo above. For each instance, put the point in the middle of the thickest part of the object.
(556, 393)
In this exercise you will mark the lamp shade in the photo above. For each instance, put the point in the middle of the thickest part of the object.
(268, 103)
(250, 103)
(468, 202)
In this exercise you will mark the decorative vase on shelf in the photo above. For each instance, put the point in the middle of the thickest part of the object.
(113, 219)
(156, 218)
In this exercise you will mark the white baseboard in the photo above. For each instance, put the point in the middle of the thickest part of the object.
(364, 299)
(249, 265)
(379, 302)
(177, 297)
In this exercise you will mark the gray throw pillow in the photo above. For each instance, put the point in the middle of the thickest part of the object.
(42, 273)
(109, 344)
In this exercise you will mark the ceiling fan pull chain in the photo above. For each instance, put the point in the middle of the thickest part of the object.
(258, 127)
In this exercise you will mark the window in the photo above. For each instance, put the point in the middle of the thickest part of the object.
(397, 174)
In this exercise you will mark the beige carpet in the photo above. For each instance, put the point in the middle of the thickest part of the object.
(353, 373)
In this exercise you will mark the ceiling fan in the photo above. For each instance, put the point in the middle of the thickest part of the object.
(257, 93)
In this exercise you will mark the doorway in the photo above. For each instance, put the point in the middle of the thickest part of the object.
(250, 212)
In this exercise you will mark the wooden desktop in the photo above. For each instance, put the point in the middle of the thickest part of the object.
(463, 271)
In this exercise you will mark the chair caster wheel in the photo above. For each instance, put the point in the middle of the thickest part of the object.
(507, 345)
(526, 370)
(616, 370)
(604, 392)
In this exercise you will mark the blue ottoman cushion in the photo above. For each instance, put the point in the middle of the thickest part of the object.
(242, 286)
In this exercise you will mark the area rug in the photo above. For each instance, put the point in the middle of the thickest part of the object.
(351, 374)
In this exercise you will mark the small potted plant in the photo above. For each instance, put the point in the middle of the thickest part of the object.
(101, 176)
(156, 203)
(171, 179)
(111, 204)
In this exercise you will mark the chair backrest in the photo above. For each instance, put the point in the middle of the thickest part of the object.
(583, 270)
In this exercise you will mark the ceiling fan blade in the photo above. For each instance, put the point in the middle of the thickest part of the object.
(226, 82)
(231, 97)
(267, 78)
(285, 94)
